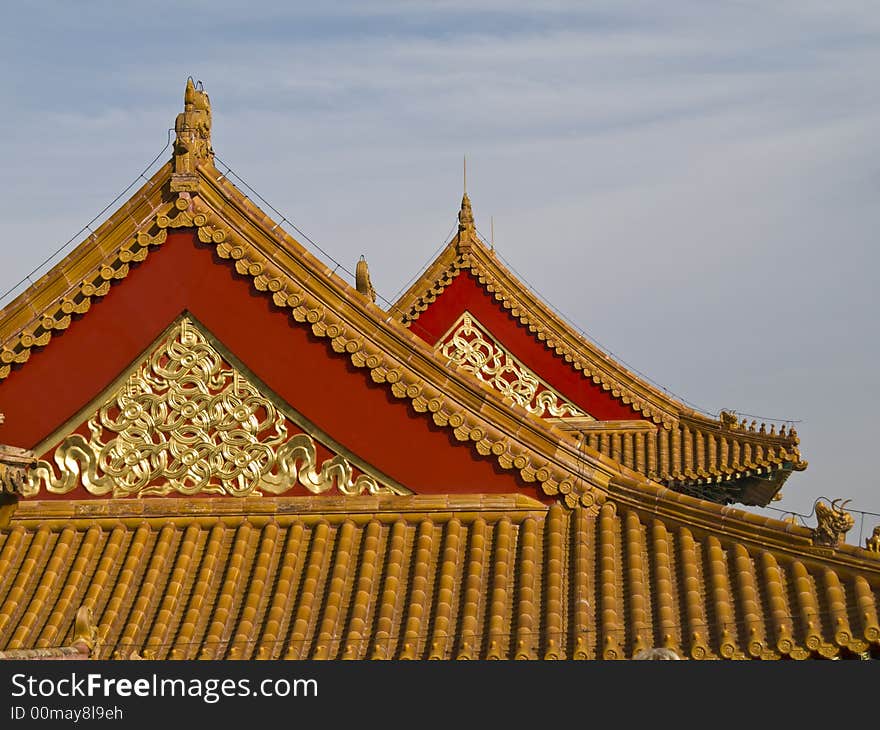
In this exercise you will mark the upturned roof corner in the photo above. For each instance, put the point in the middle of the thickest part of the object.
(192, 144)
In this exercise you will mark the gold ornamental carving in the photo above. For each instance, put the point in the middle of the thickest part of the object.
(186, 422)
(470, 347)
(833, 522)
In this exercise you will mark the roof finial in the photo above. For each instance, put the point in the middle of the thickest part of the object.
(466, 217)
(193, 142)
(492, 233)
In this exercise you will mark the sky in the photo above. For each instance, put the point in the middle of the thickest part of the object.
(693, 185)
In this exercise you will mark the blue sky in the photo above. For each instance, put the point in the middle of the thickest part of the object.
(693, 184)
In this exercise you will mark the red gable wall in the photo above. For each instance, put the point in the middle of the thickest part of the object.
(184, 274)
(466, 294)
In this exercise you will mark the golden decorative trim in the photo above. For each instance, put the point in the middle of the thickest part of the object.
(184, 422)
(872, 544)
(334, 509)
(591, 425)
(472, 347)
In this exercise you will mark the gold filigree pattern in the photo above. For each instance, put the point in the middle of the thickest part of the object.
(471, 347)
(186, 422)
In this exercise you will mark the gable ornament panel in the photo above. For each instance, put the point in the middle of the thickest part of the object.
(470, 346)
(184, 421)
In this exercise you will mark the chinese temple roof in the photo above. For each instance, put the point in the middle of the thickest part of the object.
(721, 459)
(223, 449)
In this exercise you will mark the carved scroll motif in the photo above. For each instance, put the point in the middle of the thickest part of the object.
(474, 350)
(186, 422)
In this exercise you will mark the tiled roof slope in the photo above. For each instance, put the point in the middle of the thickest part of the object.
(422, 577)
(687, 449)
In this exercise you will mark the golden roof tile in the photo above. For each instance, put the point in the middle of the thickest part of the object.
(512, 579)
